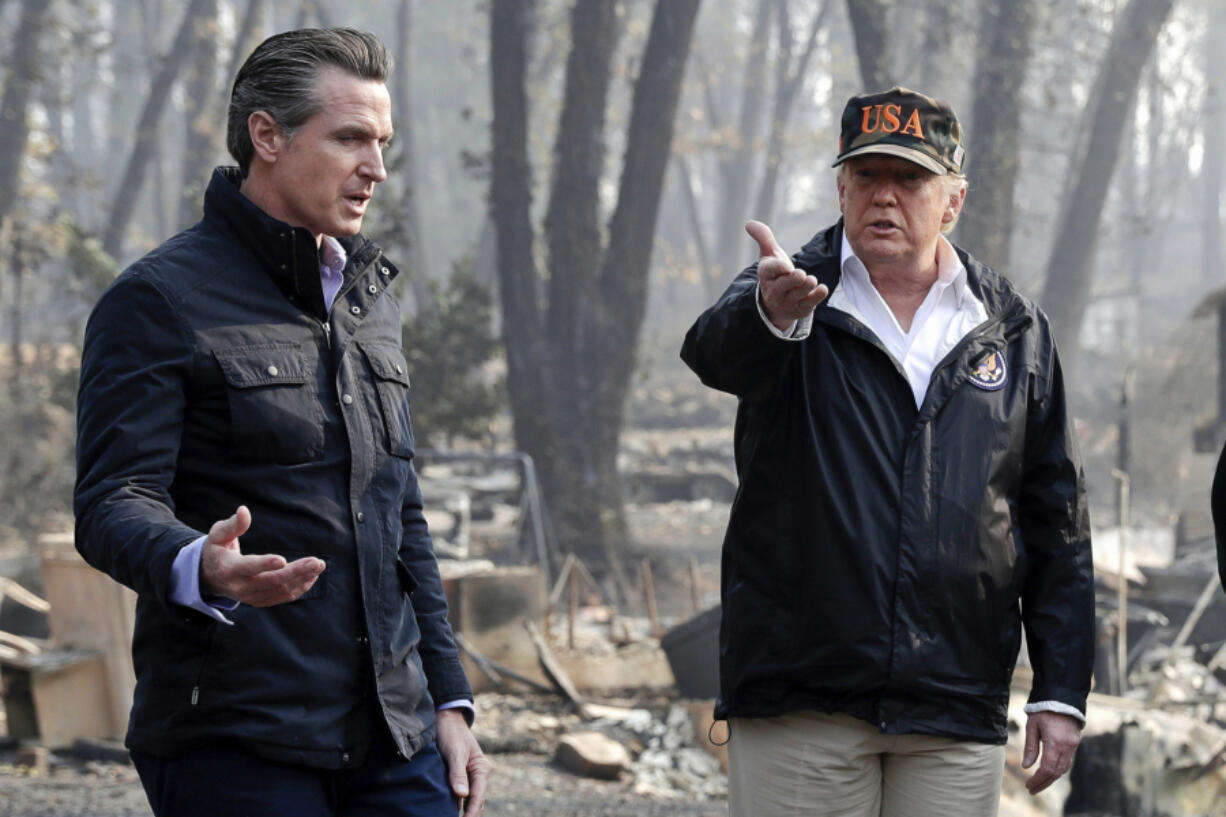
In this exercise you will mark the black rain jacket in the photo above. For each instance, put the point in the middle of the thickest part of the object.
(882, 560)
(211, 377)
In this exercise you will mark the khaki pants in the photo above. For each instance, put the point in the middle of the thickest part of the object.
(811, 764)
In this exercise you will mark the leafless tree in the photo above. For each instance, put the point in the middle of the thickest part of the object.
(1070, 267)
(568, 402)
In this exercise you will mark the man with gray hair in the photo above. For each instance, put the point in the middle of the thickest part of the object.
(910, 501)
(245, 465)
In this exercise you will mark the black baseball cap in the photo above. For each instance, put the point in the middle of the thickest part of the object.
(900, 122)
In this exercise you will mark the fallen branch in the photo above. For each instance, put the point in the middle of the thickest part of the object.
(494, 670)
(24, 597)
(553, 669)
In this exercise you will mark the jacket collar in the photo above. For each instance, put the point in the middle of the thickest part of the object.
(288, 254)
(821, 255)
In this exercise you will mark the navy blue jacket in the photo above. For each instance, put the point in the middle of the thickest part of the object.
(882, 560)
(212, 376)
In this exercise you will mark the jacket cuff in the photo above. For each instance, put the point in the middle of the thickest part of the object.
(797, 330)
(1057, 707)
(1046, 694)
(466, 709)
(447, 681)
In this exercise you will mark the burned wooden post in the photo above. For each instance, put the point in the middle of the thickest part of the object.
(573, 609)
(694, 595)
(1123, 502)
(649, 593)
(1207, 438)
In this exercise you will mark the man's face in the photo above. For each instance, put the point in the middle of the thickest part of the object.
(893, 210)
(326, 171)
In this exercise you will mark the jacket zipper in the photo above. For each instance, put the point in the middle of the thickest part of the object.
(327, 327)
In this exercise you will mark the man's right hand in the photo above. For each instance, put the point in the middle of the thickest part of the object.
(260, 581)
(787, 293)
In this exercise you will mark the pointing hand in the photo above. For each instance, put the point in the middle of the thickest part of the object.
(788, 294)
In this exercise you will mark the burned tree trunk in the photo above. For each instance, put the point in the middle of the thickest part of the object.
(869, 24)
(147, 130)
(622, 289)
(733, 249)
(510, 207)
(18, 88)
(1070, 269)
(790, 77)
(202, 118)
(995, 153)
(572, 233)
(1215, 142)
(407, 226)
(568, 398)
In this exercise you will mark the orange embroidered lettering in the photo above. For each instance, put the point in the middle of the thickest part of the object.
(864, 126)
(891, 118)
(913, 126)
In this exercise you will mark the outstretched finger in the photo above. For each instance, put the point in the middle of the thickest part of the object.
(768, 247)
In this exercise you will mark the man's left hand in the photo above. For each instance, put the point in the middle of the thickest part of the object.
(468, 770)
(1058, 735)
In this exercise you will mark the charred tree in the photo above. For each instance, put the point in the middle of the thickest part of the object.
(622, 290)
(510, 207)
(19, 86)
(995, 152)
(1215, 142)
(568, 396)
(200, 142)
(934, 70)
(869, 24)
(1070, 268)
(732, 249)
(147, 127)
(407, 224)
(789, 79)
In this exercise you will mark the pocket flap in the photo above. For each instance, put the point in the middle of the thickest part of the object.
(387, 363)
(251, 366)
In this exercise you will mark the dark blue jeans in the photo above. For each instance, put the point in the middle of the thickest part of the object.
(222, 780)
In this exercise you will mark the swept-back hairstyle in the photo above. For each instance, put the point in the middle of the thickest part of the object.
(279, 78)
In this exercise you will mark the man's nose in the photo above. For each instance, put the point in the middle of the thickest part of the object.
(884, 193)
(372, 167)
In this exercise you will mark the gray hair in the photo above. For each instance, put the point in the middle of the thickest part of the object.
(280, 76)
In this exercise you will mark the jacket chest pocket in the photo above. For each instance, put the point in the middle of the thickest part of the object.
(274, 403)
(390, 373)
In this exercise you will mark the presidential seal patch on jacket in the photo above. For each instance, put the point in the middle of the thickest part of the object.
(990, 374)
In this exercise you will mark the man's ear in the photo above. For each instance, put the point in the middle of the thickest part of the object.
(954, 206)
(266, 136)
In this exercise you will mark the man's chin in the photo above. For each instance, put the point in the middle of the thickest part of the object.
(347, 228)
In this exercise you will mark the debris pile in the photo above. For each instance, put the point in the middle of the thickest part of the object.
(650, 746)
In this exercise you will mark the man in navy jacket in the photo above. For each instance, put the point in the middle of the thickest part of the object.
(245, 465)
